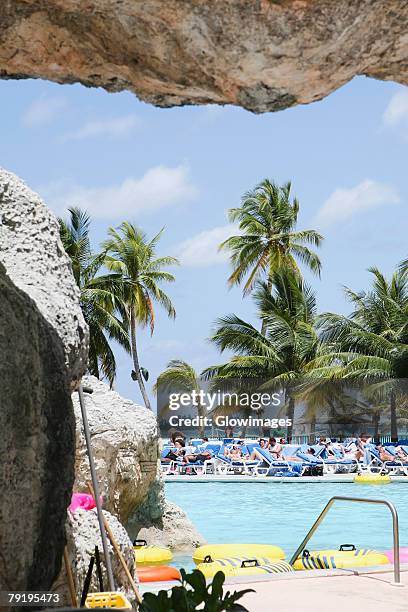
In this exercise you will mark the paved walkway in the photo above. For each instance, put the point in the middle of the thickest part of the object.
(353, 593)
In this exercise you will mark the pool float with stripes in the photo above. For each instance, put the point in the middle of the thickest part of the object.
(344, 558)
(243, 567)
(243, 551)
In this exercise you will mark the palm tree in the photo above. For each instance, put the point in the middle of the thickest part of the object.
(268, 240)
(75, 238)
(178, 377)
(99, 296)
(371, 345)
(280, 355)
(131, 259)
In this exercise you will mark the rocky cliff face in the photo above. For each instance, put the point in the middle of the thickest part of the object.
(43, 348)
(125, 446)
(260, 54)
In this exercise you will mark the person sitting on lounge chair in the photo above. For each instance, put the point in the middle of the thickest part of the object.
(202, 455)
(275, 448)
(327, 443)
(362, 443)
(176, 452)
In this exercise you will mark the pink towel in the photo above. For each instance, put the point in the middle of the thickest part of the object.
(81, 500)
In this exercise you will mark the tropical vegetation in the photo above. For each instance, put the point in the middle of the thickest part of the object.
(119, 286)
(100, 297)
(314, 359)
(138, 273)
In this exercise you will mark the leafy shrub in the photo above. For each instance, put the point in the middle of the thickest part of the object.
(194, 594)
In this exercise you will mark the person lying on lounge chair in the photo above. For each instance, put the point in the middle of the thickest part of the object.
(295, 458)
(263, 444)
(384, 454)
(401, 455)
(235, 453)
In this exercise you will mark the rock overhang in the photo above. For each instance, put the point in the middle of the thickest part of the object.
(263, 55)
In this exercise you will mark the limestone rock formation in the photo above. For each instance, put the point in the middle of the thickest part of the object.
(125, 446)
(42, 352)
(260, 54)
(82, 536)
(172, 528)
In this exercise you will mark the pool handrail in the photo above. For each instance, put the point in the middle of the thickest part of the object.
(395, 529)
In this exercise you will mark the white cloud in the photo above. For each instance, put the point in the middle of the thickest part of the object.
(43, 110)
(343, 204)
(397, 109)
(117, 128)
(159, 187)
(202, 249)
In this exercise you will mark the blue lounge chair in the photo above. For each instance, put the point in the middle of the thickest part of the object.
(336, 464)
(270, 466)
(203, 467)
(375, 464)
(226, 465)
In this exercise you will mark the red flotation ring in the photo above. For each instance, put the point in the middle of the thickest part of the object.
(157, 573)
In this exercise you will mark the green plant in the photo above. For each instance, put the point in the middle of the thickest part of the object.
(194, 594)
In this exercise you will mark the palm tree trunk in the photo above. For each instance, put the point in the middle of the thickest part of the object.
(376, 423)
(394, 424)
(290, 415)
(135, 358)
(269, 285)
(201, 414)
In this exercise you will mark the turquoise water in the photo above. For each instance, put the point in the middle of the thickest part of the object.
(282, 513)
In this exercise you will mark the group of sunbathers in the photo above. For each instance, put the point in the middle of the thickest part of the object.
(178, 451)
(357, 449)
(235, 452)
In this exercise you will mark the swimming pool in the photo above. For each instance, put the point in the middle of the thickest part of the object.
(282, 513)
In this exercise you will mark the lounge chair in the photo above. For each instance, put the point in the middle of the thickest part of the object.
(270, 466)
(169, 466)
(336, 464)
(375, 464)
(226, 465)
(203, 467)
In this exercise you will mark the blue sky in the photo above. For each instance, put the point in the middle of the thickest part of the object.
(183, 168)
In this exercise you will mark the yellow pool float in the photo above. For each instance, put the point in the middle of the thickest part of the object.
(243, 567)
(372, 479)
(213, 552)
(347, 557)
(150, 554)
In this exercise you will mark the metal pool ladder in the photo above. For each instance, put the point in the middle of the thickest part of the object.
(395, 529)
